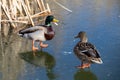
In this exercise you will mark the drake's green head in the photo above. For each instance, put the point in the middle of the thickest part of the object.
(50, 19)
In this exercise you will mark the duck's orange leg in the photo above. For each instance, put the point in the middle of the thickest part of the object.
(43, 45)
(84, 65)
(33, 47)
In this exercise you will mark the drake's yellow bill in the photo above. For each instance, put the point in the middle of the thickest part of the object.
(55, 20)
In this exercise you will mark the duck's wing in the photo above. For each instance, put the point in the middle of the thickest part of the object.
(32, 29)
(88, 50)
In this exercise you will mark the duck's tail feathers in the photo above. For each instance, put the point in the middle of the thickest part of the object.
(19, 34)
(97, 60)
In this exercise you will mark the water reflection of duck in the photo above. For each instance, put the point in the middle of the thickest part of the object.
(84, 75)
(86, 51)
(40, 33)
(42, 59)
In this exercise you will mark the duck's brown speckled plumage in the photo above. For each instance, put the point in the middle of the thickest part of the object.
(86, 51)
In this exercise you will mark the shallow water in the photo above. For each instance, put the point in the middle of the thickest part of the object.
(99, 18)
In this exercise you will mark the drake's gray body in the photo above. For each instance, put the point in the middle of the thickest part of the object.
(38, 33)
(34, 33)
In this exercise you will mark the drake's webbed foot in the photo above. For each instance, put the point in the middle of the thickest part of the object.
(34, 49)
(43, 45)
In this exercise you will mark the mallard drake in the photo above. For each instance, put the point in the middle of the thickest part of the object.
(40, 33)
(86, 51)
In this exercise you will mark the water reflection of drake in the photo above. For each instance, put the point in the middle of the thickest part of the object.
(41, 59)
(84, 75)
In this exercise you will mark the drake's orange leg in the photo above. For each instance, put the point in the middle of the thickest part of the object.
(43, 45)
(33, 47)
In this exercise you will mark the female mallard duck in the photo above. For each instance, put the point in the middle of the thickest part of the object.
(40, 33)
(86, 51)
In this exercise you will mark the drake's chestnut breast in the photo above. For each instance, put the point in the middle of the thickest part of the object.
(49, 36)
